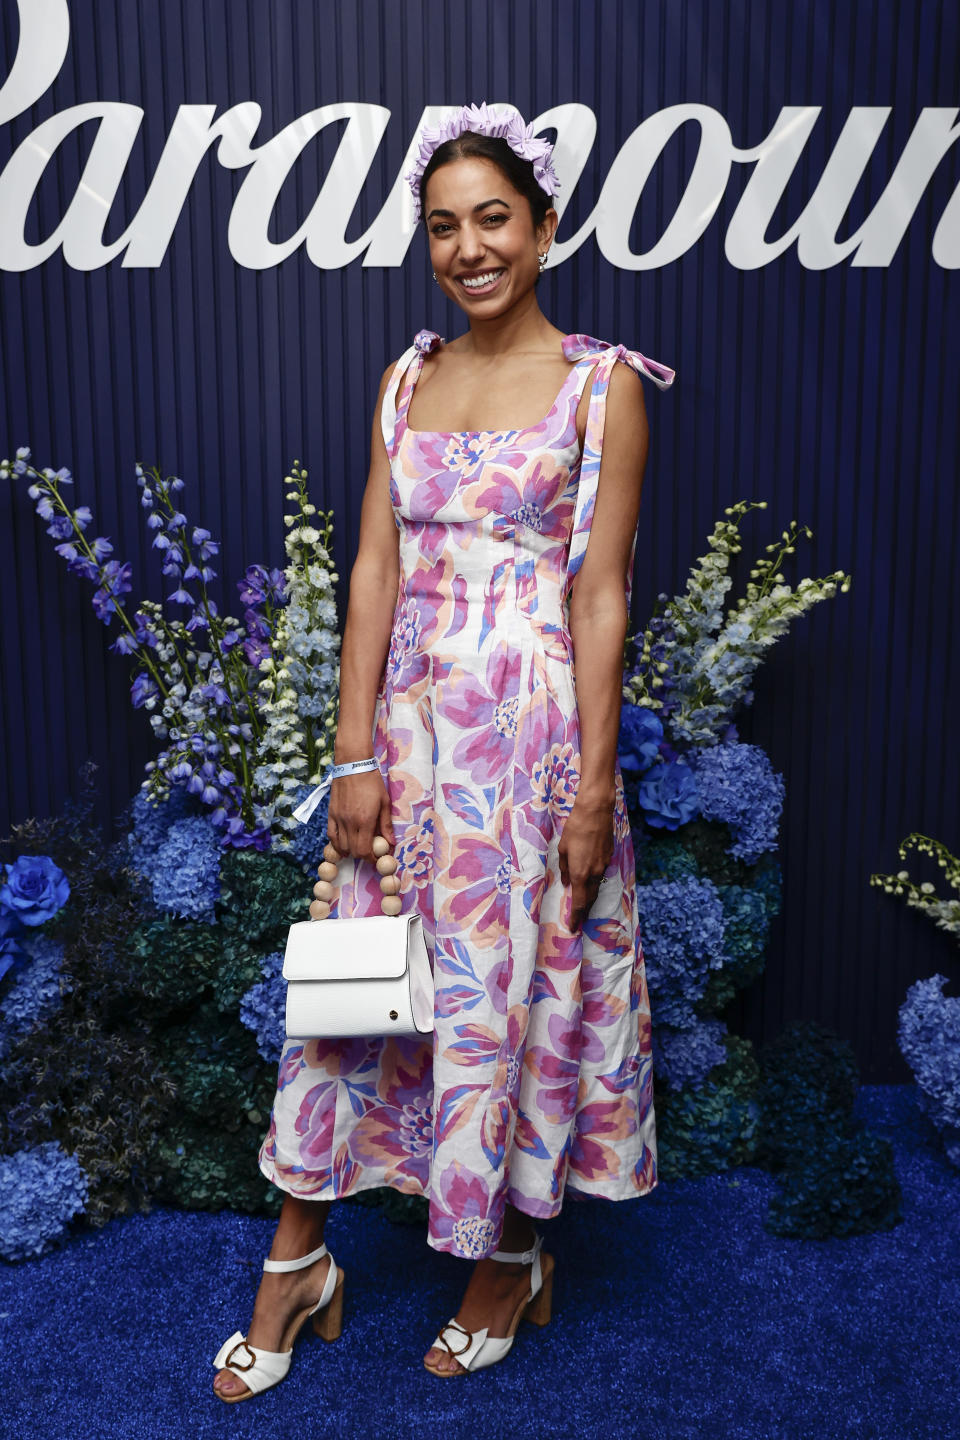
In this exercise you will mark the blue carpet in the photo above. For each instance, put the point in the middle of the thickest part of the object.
(675, 1316)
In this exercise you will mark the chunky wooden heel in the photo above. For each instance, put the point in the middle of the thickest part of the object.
(262, 1369)
(538, 1309)
(329, 1322)
(475, 1349)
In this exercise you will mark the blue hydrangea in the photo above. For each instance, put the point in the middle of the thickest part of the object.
(263, 1008)
(186, 870)
(42, 1188)
(307, 841)
(12, 938)
(34, 991)
(738, 786)
(682, 931)
(683, 1058)
(150, 824)
(667, 795)
(929, 1036)
(640, 734)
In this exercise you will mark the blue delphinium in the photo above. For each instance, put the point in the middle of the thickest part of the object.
(263, 1008)
(667, 795)
(186, 870)
(929, 1036)
(42, 1188)
(33, 992)
(683, 1058)
(738, 786)
(682, 930)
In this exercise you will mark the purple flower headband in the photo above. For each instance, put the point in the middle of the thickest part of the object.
(503, 124)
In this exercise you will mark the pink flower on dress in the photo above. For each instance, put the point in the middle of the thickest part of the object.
(469, 451)
(557, 1067)
(460, 1213)
(603, 1120)
(601, 1009)
(291, 1063)
(477, 884)
(524, 494)
(395, 1132)
(423, 611)
(408, 662)
(314, 1123)
(487, 710)
(554, 779)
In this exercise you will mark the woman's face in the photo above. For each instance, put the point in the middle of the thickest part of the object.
(483, 246)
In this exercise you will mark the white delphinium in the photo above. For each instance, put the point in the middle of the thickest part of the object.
(694, 667)
(301, 676)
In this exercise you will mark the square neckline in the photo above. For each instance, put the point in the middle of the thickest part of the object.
(501, 430)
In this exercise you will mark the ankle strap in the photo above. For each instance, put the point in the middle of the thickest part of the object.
(300, 1264)
(525, 1257)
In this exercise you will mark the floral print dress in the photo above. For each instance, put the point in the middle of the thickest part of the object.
(537, 1081)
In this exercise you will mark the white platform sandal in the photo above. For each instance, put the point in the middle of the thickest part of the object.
(475, 1349)
(262, 1369)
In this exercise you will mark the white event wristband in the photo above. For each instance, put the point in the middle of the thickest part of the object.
(306, 808)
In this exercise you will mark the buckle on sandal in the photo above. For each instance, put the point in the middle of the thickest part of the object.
(234, 1365)
(460, 1331)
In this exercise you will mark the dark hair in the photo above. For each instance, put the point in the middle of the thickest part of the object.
(494, 148)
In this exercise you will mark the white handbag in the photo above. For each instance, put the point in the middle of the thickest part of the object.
(366, 975)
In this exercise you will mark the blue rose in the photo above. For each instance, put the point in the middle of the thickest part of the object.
(36, 889)
(668, 795)
(638, 742)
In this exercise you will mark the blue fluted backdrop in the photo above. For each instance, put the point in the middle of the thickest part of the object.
(832, 394)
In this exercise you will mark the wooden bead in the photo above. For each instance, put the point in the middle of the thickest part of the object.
(380, 846)
(391, 904)
(331, 853)
(390, 885)
(387, 865)
(323, 890)
(327, 871)
(319, 909)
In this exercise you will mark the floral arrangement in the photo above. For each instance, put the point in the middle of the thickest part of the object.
(694, 667)
(704, 811)
(151, 967)
(243, 709)
(929, 1021)
(42, 1187)
(705, 808)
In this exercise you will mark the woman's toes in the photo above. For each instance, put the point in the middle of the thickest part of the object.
(227, 1384)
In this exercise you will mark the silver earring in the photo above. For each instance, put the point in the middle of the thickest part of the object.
(435, 277)
(543, 263)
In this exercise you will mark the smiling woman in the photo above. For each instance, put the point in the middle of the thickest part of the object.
(491, 685)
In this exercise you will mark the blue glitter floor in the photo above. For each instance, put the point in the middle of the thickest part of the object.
(676, 1317)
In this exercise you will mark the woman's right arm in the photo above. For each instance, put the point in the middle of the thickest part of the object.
(359, 804)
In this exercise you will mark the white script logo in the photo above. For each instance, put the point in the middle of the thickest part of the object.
(45, 37)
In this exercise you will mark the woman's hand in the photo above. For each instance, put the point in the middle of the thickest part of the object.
(359, 809)
(586, 849)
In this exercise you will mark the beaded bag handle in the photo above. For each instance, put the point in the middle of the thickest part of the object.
(390, 902)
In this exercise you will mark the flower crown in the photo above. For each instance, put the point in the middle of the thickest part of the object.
(502, 124)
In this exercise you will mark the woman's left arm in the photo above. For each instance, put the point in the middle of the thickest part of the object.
(598, 627)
